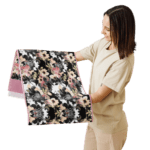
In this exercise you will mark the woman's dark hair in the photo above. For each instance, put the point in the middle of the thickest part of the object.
(122, 29)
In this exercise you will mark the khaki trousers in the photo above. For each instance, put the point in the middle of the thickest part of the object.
(95, 140)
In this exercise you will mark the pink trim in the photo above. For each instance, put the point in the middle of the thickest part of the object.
(9, 86)
(82, 85)
(22, 85)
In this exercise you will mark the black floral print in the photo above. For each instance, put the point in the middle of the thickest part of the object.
(52, 87)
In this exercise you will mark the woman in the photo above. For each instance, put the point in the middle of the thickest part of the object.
(113, 61)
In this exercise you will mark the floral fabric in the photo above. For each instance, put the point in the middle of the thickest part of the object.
(50, 83)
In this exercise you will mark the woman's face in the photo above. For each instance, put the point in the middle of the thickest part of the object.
(106, 28)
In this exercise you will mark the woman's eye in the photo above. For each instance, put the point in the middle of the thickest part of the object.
(106, 29)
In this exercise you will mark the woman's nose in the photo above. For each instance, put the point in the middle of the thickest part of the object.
(102, 30)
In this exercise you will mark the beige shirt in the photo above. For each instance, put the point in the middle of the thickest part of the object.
(110, 70)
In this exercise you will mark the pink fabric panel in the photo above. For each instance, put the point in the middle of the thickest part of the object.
(15, 86)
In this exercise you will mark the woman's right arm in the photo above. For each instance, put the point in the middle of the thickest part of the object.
(79, 57)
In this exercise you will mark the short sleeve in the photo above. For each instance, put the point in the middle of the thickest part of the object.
(89, 51)
(118, 76)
